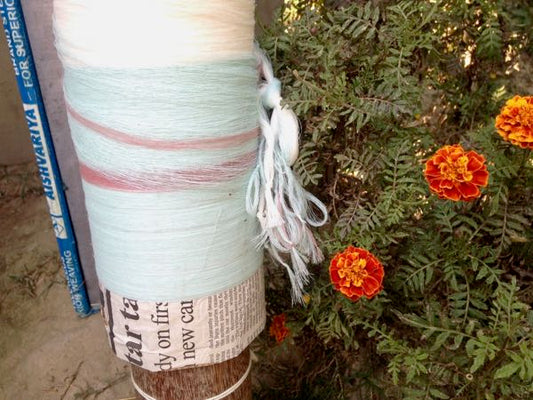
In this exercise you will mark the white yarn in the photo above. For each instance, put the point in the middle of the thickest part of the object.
(283, 208)
(152, 34)
(220, 396)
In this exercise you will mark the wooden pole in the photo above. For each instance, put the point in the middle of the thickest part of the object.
(197, 383)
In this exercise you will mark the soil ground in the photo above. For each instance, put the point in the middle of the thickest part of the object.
(46, 351)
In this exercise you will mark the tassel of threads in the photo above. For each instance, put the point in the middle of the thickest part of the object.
(284, 209)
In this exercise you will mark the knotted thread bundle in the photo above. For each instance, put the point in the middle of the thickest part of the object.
(284, 209)
(177, 146)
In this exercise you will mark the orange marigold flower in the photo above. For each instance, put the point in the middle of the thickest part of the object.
(278, 329)
(356, 272)
(515, 122)
(455, 174)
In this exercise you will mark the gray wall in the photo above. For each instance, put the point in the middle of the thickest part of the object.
(15, 144)
(38, 16)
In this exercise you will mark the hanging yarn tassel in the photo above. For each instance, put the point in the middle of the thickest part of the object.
(284, 209)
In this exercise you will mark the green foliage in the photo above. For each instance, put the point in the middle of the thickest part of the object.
(379, 86)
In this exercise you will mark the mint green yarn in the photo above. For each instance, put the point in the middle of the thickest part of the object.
(168, 246)
(172, 246)
(172, 102)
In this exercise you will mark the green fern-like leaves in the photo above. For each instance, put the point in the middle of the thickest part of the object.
(379, 87)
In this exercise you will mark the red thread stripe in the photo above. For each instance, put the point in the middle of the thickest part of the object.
(167, 181)
(158, 144)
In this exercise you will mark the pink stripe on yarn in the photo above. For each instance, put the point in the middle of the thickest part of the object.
(187, 144)
(171, 180)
